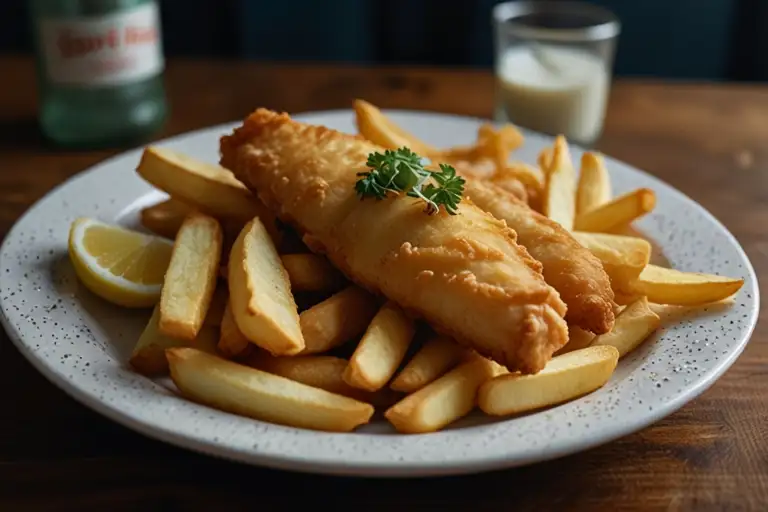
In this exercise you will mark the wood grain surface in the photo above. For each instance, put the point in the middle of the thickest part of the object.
(710, 141)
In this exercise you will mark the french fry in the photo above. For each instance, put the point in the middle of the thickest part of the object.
(560, 193)
(482, 168)
(594, 187)
(497, 144)
(312, 273)
(618, 212)
(260, 293)
(443, 401)
(633, 325)
(625, 299)
(578, 338)
(438, 355)
(324, 372)
(204, 186)
(165, 218)
(623, 257)
(381, 350)
(216, 309)
(232, 342)
(190, 280)
(148, 357)
(509, 138)
(238, 389)
(468, 154)
(337, 320)
(379, 129)
(544, 160)
(491, 145)
(668, 286)
(460, 154)
(526, 174)
(564, 378)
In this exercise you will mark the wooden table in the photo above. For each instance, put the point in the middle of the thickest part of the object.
(711, 141)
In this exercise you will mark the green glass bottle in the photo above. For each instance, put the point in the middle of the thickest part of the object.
(100, 70)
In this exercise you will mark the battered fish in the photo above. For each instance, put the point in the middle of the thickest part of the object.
(568, 266)
(464, 273)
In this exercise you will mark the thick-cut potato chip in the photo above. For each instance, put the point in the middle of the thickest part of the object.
(324, 372)
(207, 187)
(625, 299)
(438, 355)
(218, 304)
(165, 218)
(594, 187)
(578, 338)
(148, 357)
(508, 137)
(238, 389)
(260, 293)
(497, 144)
(491, 144)
(232, 342)
(311, 273)
(337, 320)
(379, 129)
(618, 213)
(462, 155)
(544, 160)
(623, 257)
(528, 175)
(381, 350)
(564, 378)
(633, 325)
(443, 401)
(668, 286)
(191, 277)
(560, 193)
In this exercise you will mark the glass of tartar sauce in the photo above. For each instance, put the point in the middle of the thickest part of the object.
(553, 63)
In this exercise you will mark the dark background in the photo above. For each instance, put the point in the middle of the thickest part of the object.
(685, 39)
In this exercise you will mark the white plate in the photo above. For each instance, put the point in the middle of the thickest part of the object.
(82, 343)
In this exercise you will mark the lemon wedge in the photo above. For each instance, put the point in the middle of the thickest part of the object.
(122, 266)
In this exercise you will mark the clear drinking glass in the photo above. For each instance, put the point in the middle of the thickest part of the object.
(553, 63)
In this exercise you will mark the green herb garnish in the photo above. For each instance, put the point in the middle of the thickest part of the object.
(401, 171)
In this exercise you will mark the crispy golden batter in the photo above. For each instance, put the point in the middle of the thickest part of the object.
(568, 266)
(465, 273)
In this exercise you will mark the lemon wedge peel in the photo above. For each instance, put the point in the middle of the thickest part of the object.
(122, 266)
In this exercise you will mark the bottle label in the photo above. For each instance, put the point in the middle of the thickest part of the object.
(113, 49)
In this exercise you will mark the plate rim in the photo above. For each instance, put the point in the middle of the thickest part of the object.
(334, 466)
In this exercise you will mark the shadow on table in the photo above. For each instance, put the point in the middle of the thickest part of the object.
(21, 133)
(196, 482)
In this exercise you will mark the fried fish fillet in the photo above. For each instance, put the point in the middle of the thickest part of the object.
(464, 273)
(570, 268)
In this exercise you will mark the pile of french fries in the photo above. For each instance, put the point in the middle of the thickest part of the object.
(253, 323)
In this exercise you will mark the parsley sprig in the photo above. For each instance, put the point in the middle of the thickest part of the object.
(401, 171)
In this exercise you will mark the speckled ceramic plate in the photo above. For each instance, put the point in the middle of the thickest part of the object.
(82, 344)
